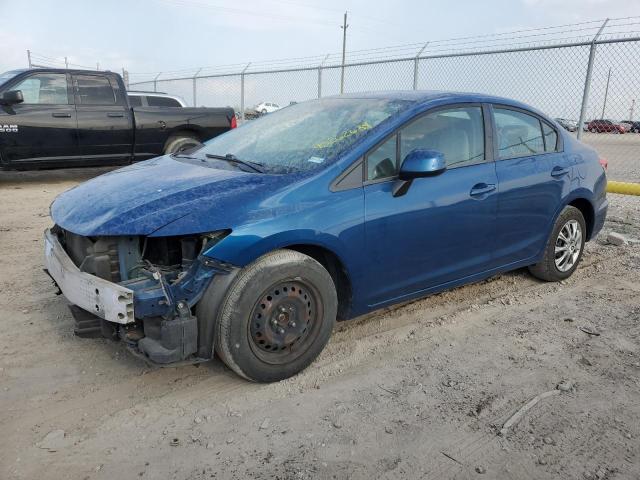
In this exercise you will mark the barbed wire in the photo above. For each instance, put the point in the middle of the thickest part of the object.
(522, 38)
(565, 33)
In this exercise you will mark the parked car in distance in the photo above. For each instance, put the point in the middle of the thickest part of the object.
(252, 245)
(634, 127)
(605, 126)
(569, 125)
(626, 125)
(57, 117)
(154, 99)
(266, 107)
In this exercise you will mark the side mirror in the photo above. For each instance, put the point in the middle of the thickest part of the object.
(422, 163)
(11, 97)
(417, 164)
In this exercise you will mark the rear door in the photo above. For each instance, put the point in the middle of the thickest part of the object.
(533, 176)
(105, 126)
(43, 127)
(443, 228)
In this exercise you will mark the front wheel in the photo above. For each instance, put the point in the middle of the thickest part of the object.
(276, 317)
(564, 247)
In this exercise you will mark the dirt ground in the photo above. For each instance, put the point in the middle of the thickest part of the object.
(419, 391)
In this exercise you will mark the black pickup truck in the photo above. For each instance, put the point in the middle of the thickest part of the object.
(53, 117)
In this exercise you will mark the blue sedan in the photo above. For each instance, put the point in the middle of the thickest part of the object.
(252, 245)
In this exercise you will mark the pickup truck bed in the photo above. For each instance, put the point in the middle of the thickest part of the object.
(81, 118)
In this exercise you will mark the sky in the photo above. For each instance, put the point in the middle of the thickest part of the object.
(146, 36)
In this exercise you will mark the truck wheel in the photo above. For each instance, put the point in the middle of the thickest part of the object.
(276, 317)
(180, 142)
(564, 247)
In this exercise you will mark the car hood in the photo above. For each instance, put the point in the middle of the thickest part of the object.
(144, 197)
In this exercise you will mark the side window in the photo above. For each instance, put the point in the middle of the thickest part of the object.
(550, 138)
(44, 89)
(162, 102)
(94, 90)
(518, 133)
(381, 162)
(135, 100)
(457, 132)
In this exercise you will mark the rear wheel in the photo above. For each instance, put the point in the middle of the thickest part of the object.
(276, 317)
(180, 142)
(564, 247)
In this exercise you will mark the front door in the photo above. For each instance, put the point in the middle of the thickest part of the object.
(442, 229)
(43, 127)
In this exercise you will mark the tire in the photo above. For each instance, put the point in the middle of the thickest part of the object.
(180, 142)
(276, 317)
(264, 111)
(552, 269)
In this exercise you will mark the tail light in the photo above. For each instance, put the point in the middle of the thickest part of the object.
(234, 122)
(604, 163)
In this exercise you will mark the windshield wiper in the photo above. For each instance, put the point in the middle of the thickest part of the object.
(230, 157)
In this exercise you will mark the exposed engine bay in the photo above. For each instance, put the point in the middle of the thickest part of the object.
(167, 275)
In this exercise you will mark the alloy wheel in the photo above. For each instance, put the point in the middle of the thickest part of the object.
(568, 246)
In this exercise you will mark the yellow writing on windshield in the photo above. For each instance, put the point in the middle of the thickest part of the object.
(332, 141)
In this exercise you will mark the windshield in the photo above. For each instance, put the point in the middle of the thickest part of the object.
(304, 136)
(6, 76)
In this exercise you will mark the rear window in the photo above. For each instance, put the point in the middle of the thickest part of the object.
(94, 90)
(519, 134)
(135, 100)
(162, 102)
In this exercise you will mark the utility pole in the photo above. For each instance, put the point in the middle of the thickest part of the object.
(633, 107)
(66, 63)
(29, 57)
(606, 93)
(344, 50)
(97, 65)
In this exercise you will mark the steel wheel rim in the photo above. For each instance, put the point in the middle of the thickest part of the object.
(568, 246)
(285, 321)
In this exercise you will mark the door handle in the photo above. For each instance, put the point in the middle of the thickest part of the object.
(115, 115)
(482, 189)
(61, 115)
(559, 171)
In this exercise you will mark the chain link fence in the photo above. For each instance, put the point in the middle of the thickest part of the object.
(592, 85)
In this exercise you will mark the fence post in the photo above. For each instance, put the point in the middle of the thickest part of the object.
(155, 82)
(194, 87)
(587, 81)
(320, 76)
(242, 90)
(125, 78)
(416, 61)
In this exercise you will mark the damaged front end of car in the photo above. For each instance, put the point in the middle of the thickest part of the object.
(140, 289)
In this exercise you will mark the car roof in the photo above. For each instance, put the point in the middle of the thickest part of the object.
(427, 96)
(67, 70)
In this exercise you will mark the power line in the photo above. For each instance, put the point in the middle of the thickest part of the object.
(239, 11)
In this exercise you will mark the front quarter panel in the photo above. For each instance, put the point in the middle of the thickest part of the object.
(333, 221)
